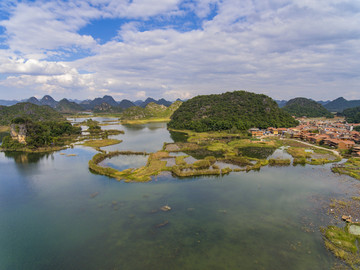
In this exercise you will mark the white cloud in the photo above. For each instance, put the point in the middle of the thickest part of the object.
(175, 94)
(32, 67)
(141, 94)
(41, 26)
(283, 48)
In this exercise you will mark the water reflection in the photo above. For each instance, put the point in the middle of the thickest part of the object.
(28, 163)
(178, 136)
(256, 152)
(133, 127)
(25, 158)
(123, 162)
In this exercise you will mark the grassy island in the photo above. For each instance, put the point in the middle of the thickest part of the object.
(144, 121)
(101, 143)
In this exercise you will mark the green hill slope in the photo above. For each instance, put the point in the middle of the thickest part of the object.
(28, 110)
(306, 107)
(152, 110)
(240, 109)
(352, 115)
(67, 106)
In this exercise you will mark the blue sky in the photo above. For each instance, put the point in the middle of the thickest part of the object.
(172, 48)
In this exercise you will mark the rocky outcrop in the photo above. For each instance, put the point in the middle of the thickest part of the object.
(18, 132)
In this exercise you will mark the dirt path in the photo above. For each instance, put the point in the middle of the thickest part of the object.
(319, 147)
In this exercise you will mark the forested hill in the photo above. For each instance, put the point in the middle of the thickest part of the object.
(152, 110)
(28, 110)
(239, 110)
(306, 107)
(66, 106)
(352, 115)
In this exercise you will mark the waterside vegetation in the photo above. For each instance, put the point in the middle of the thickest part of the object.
(312, 156)
(342, 240)
(209, 152)
(351, 167)
(101, 143)
(27, 135)
(343, 244)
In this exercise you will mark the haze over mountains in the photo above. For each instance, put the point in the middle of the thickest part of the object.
(109, 104)
(336, 105)
(106, 103)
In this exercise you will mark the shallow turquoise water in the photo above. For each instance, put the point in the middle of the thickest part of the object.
(255, 220)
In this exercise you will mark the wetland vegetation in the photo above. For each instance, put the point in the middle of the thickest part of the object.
(208, 150)
(351, 167)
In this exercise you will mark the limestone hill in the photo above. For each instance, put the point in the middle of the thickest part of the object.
(305, 107)
(239, 110)
(30, 111)
(152, 110)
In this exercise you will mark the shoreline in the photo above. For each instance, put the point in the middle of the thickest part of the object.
(144, 121)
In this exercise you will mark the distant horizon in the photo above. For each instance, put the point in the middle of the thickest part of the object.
(179, 48)
(143, 99)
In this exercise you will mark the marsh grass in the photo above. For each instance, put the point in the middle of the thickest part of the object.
(279, 162)
(342, 244)
(298, 152)
(4, 129)
(101, 143)
(351, 167)
(144, 121)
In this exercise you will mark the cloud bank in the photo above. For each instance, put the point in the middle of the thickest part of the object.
(173, 48)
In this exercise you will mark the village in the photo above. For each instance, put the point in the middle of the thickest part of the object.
(333, 133)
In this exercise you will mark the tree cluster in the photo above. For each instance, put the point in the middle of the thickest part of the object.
(93, 126)
(41, 134)
(352, 115)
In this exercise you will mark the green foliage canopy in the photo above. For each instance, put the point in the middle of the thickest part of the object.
(152, 110)
(352, 115)
(306, 107)
(28, 110)
(41, 134)
(239, 110)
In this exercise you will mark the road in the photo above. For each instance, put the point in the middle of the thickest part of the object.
(319, 147)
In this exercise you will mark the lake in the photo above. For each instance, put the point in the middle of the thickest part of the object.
(56, 214)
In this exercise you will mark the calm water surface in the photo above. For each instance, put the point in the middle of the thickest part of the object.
(258, 220)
